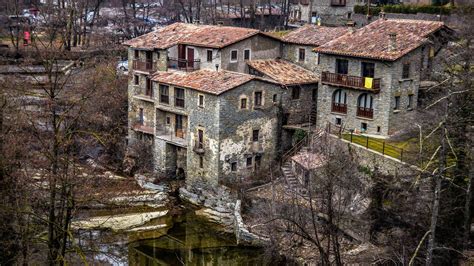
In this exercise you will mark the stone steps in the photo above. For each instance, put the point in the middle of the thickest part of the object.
(291, 179)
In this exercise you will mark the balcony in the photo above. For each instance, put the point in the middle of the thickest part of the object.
(140, 127)
(176, 137)
(339, 108)
(365, 112)
(338, 2)
(145, 66)
(350, 81)
(184, 64)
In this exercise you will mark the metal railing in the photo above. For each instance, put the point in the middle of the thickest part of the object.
(143, 65)
(349, 81)
(184, 64)
(374, 144)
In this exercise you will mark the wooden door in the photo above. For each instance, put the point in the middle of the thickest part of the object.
(190, 57)
(179, 126)
(181, 56)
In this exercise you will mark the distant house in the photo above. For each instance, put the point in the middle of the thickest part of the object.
(370, 78)
(326, 12)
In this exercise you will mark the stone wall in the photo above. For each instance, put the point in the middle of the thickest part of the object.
(333, 15)
(298, 111)
(237, 125)
(261, 47)
(290, 53)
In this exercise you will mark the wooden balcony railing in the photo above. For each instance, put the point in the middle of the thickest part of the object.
(350, 81)
(338, 2)
(339, 108)
(365, 112)
(184, 64)
(146, 66)
(141, 127)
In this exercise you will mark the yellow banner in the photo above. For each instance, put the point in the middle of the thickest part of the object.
(368, 82)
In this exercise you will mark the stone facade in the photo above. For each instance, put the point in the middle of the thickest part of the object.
(291, 53)
(387, 119)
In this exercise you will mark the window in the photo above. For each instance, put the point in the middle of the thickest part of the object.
(254, 72)
(314, 94)
(164, 94)
(318, 58)
(258, 98)
(201, 100)
(368, 69)
(406, 71)
(247, 54)
(295, 93)
(140, 116)
(338, 121)
(201, 162)
(179, 97)
(148, 88)
(339, 97)
(363, 126)
(275, 98)
(243, 103)
(378, 129)
(136, 54)
(200, 143)
(301, 54)
(255, 133)
(342, 66)
(365, 106)
(410, 101)
(233, 166)
(209, 55)
(349, 15)
(136, 79)
(168, 120)
(149, 56)
(397, 103)
(233, 56)
(258, 162)
(249, 162)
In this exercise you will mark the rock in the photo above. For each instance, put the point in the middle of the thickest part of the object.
(190, 197)
(147, 228)
(117, 222)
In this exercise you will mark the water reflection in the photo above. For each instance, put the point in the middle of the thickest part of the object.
(190, 242)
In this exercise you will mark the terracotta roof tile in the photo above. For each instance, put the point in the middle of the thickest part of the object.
(191, 34)
(372, 41)
(284, 72)
(210, 81)
(314, 35)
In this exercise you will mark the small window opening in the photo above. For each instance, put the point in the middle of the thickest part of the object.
(255, 133)
(243, 103)
(233, 167)
(338, 121)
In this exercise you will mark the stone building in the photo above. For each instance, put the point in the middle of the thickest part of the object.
(370, 77)
(299, 43)
(325, 12)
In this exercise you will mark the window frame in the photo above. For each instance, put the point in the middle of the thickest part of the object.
(396, 107)
(207, 55)
(249, 55)
(136, 54)
(301, 54)
(136, 80)
(236, 55)
(258, 103)
(338, 63)
(410, 101)
(183, 98)
(364, 67)
(406, 70)
(295, 93)
(247, 164)
(162, 95)
(201, 104)
(243, 100)
(255, 135)
(233, 167)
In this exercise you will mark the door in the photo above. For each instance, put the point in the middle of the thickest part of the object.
(179, 126)
(181, 56)
(190, 57)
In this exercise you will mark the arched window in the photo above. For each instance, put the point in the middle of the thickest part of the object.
(365, 105)
(339, 101)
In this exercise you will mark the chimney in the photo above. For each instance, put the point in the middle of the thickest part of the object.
(392, 43)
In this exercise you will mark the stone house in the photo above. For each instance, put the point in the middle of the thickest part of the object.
(210, 124)
(299, 43)
(370, 78)
(328, 12)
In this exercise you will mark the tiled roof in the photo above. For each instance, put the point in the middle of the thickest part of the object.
(314, 35)
(210, 81)
(284, 72)
(191, 34)
(373, 41)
